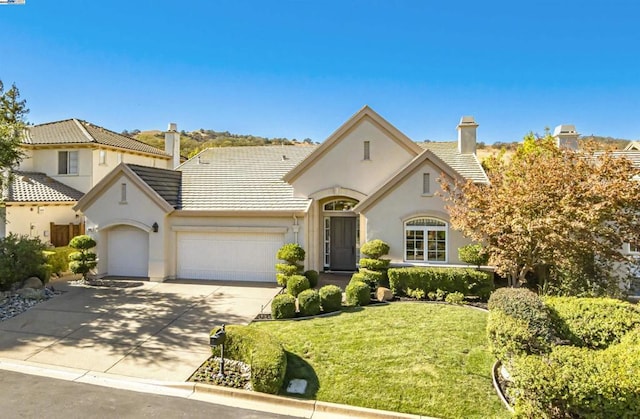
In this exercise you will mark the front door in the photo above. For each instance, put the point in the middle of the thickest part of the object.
(342, 254)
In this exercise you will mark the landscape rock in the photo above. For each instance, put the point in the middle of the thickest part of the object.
(384, 294)
(31, 294)
(34, 282)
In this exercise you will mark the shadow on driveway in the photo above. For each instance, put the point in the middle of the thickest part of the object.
(157, 330)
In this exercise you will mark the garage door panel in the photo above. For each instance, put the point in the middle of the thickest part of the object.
(228, 256)
(128, 252)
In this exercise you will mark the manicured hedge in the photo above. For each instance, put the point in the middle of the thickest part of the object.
(518, 323)
(358, 293)
(309, 302)
(330, 298)
(313, 277)
(296, 284)
(592, 322)
(259, 349)
(374, 264)
(579, 382)
(464, 280)
(283, 306)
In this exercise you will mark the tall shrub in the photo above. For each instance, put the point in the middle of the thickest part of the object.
(83, 260)
(292, 254)
(373, 269)
(20, 258)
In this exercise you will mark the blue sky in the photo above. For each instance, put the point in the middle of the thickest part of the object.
(299, 69)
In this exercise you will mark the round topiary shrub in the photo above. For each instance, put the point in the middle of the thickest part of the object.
(330, 298)
(296, 284)
(291, 253)
(283, 306)
(473, 254)
(358, 294)
(374, 249)
(374, 264)
(312, 276)
(286, 269)
(309, 302)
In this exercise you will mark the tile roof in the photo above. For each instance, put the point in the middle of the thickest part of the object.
(38, 187)
(75, 131)
(164, 181)
(467, 165)
(242, 178)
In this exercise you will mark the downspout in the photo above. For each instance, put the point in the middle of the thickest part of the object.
(296, 228)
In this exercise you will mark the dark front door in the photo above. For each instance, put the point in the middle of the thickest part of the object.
(342, 254)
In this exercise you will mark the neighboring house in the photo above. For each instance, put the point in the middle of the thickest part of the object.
(224, 213)
(64, 160)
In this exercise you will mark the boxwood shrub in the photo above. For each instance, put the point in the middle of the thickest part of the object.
(518, 323)
(592, 322)
(309, 302)
(259, 349)
(374, 249)
(358, 293)
(283, 306)
(330, 298)
(579, 382)
(374, 264)
(296, 284)
(465, 280)
(313, 277)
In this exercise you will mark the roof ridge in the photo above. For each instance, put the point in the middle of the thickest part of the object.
(84, 131)
(51, 123)
(117, 133)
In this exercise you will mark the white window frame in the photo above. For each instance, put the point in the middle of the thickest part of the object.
(72, 157)
(426, 229)
(327, 241)
(348, 205)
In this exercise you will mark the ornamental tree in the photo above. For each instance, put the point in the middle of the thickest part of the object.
(12, 123)
(554, 215)
(83, 260)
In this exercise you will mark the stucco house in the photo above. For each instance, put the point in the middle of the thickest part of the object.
(224, 213)
(64, 160)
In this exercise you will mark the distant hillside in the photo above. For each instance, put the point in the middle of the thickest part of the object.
(193, 142)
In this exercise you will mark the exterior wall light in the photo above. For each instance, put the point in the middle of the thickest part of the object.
(155, 227)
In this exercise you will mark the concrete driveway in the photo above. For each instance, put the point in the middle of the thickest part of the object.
(153, 331)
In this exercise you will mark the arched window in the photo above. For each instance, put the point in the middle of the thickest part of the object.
(425, 240)
(340, 205)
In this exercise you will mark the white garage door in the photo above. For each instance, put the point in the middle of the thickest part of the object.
(228, 256)
(128, 252)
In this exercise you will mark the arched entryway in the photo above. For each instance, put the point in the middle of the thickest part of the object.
(341, 234)
(127, 251)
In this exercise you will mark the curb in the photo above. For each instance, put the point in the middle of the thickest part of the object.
(244, 399)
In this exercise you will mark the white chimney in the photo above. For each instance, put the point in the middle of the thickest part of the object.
(467, 135)
(566, 136)
(172, 144)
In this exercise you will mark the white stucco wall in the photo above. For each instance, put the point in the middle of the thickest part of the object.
(343, 165)
(113, 158)
(33, 220)
(385, 219)
(139, 211)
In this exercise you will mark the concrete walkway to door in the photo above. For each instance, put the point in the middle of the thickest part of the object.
(153, 331)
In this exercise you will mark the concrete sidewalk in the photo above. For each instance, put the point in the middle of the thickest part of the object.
(152, 331)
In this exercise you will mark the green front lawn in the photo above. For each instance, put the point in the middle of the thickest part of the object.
(428, 359)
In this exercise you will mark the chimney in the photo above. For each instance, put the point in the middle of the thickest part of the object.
(566, 136)
(172, 144)
(467, 135)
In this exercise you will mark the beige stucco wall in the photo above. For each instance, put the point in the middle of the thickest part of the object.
(90, 171)
(33, 220)
(385, 219)
(175, 221)
(139, 211)
(343, 165)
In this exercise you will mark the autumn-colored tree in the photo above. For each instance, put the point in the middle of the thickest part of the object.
(556, 214)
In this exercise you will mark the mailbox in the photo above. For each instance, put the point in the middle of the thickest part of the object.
(218, 337)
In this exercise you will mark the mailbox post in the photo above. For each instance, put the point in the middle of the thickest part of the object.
(218, 338)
